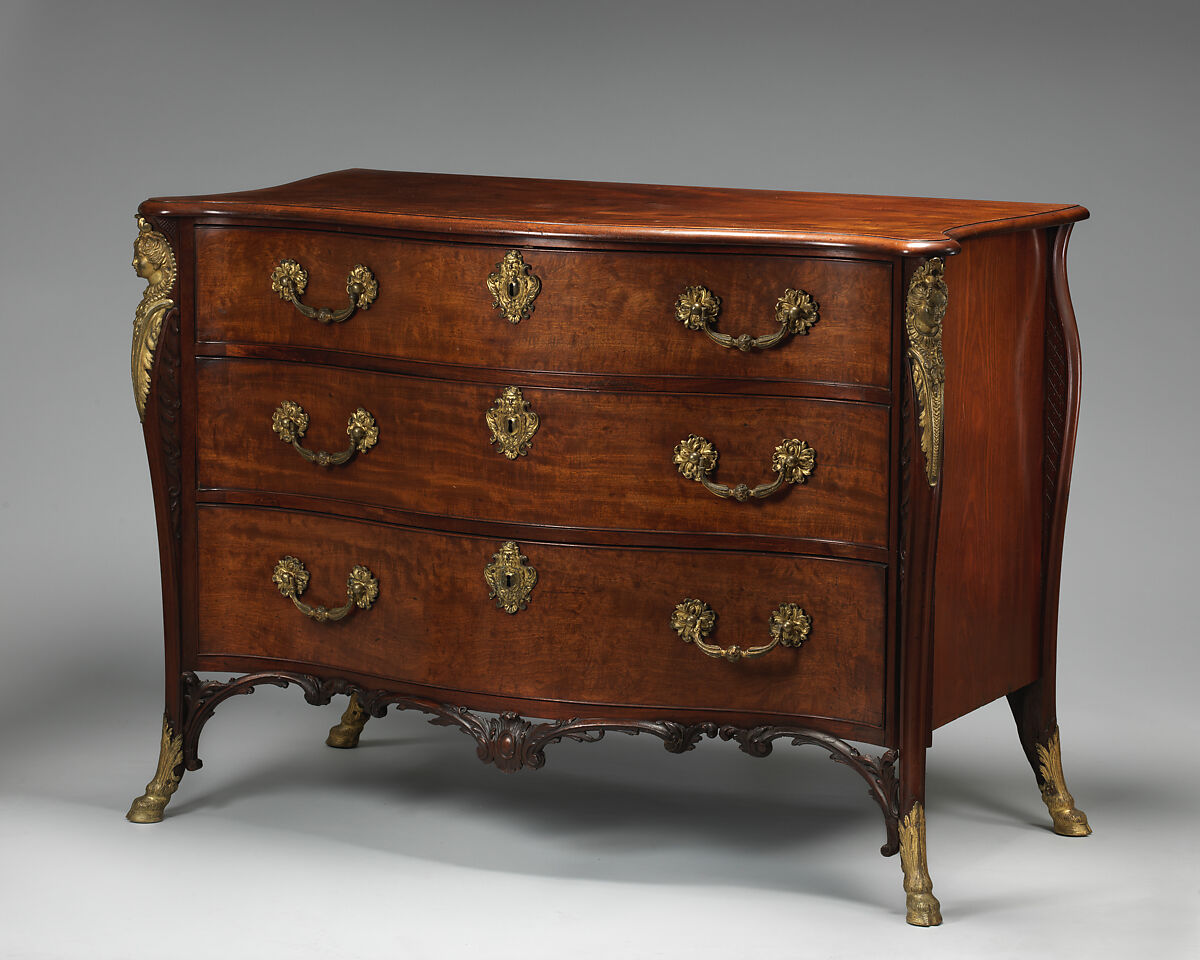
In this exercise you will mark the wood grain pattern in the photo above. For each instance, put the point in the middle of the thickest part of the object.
(578, 210)
(609, 312)
(597, 628)
(989, 564)
(597, 461)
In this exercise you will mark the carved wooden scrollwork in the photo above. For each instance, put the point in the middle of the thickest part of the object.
(510, 742)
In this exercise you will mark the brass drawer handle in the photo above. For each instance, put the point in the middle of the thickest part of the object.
(289, 279)
(290, 421)
(695, 620)
(793, 462)
(795, 312)
(291, 579)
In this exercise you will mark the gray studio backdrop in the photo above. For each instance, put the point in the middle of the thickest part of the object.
(277, 844)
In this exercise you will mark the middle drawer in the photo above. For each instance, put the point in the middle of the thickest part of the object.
(594, 460)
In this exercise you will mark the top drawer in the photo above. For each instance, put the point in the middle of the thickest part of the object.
(604, 312)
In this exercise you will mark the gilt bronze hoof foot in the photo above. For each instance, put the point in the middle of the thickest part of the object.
(923, 907)
(345, 733)
(1069, 820)
(149, 807)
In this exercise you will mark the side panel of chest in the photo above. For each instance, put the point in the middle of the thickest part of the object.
(987, 624)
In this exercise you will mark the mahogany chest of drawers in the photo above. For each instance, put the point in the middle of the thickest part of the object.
(692, 463)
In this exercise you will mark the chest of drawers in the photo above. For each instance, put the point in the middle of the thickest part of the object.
(726, 464)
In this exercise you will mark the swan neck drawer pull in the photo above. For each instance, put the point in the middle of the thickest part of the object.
(291, 580)
(793, 462)
(289, 279)
(290, 422)
(796, 311)
(695, 620)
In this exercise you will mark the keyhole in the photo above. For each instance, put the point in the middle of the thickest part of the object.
(512, 288)
(510, 426)
(509, 581)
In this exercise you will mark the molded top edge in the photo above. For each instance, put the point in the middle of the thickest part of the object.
(623, 212)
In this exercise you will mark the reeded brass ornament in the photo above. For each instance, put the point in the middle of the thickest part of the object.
(512, 423)
(695, 620)
(514, 287)
(510, 578)
(290, 422)
(154, 262)
(924, 311)
(291, 580)
(796, 311)
(793, 462)
(289, 279)
(1069, 820)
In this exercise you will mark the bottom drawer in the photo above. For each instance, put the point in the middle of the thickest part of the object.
(598, 625)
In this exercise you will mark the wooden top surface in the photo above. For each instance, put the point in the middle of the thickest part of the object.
(591, 212)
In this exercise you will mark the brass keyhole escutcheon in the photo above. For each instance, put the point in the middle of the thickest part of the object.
(512, 423)
(513, 286)
(510, 578)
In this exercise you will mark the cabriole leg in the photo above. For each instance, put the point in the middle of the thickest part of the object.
(345, 734)
(148, 808)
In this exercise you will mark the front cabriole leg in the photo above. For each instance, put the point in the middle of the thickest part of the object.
(148, 808)
(346, 732)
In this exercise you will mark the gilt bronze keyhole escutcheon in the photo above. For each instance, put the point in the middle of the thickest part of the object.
(514, 287)
(510, 578)
(512, 423)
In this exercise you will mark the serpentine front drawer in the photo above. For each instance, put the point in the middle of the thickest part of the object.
(574, 311)
(597, 625)
(814, 470)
